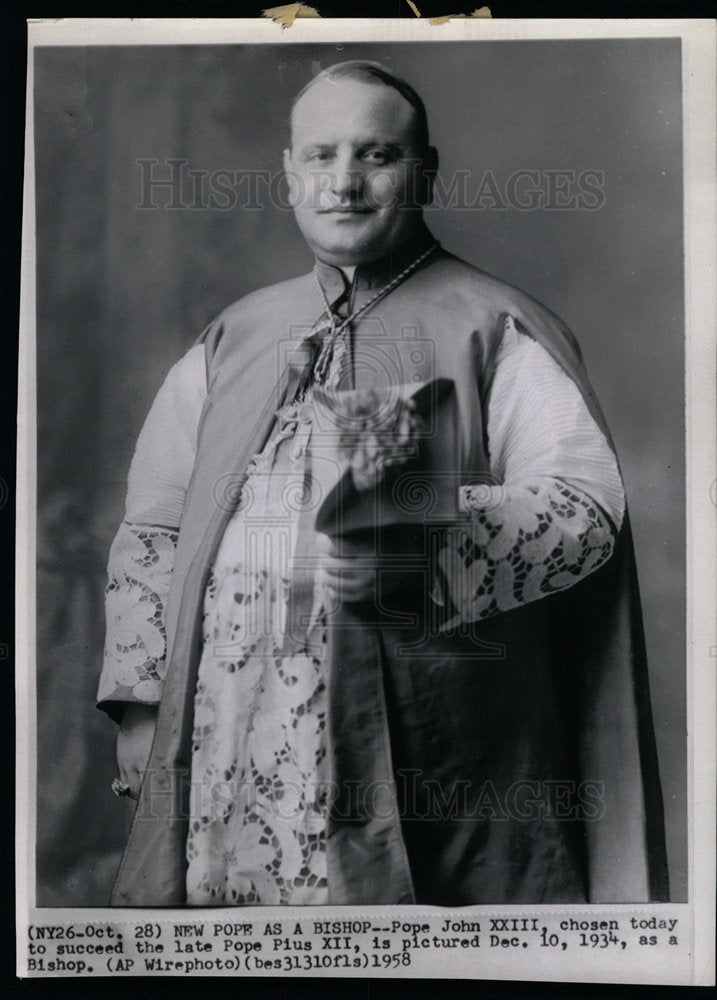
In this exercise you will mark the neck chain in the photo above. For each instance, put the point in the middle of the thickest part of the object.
(324, 359)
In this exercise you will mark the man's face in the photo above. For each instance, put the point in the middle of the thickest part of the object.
(354, 181)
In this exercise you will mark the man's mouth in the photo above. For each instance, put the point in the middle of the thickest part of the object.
(346, 210)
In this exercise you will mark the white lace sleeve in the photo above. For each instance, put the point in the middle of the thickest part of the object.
(142, 554)
(523, 544)
(139, 571)
(552, 518)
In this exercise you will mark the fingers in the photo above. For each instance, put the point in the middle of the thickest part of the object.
(135, 783)
(350, 594)
(349, 584)
(134, 743)
(131, 776)
(130, 764)
(325, 546)
(334, 564)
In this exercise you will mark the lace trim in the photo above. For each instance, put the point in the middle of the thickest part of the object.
(256, 832)
(139, 571)
(523, 543)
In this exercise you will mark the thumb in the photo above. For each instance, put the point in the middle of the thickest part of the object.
(325, 545)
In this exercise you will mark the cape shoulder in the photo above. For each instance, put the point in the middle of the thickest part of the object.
(295, 301)
(491, 300)
(285, 309)
(274, 307)
(494, 298)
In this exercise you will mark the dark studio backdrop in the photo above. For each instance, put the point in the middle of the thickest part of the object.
(123, 291)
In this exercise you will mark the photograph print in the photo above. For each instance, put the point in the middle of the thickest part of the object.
(361, 474)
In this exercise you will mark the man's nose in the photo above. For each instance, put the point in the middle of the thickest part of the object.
(348, 178)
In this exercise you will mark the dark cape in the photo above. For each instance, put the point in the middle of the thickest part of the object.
(513, 762)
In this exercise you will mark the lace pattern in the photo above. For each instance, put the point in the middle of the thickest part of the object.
(256, 832)
(139, 571)
(523, 543)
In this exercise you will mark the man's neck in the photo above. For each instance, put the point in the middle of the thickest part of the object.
(376, 273)
(418, 231)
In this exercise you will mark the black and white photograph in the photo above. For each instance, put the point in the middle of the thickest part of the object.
(360, 519)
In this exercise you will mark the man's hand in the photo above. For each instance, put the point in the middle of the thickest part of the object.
(352, 576)
(134, 742)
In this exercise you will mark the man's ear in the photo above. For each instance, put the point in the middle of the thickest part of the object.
(429, 169)
(290, 176)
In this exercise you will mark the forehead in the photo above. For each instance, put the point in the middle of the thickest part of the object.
(344, 109)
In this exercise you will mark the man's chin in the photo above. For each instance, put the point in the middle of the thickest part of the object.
(349, 252)
(349, 240)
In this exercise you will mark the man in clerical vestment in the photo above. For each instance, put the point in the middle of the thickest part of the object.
(373, 626)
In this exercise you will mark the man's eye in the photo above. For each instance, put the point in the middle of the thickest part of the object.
(377, 156)
(320, 155)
